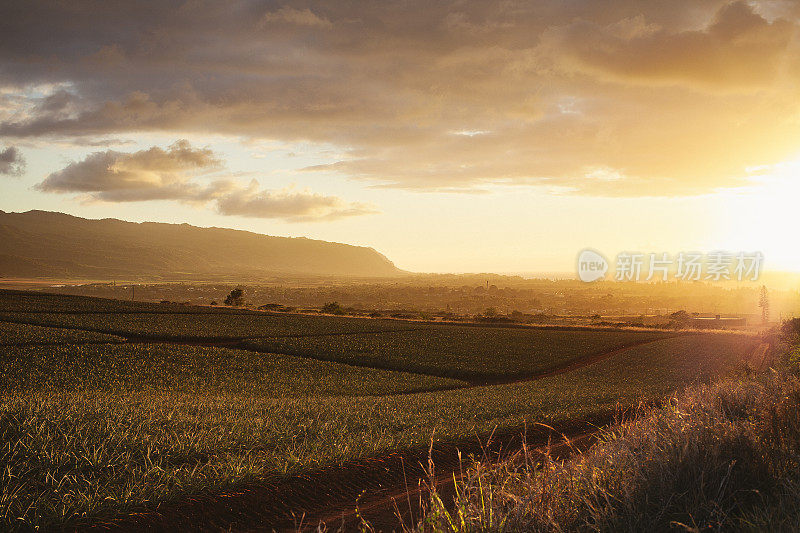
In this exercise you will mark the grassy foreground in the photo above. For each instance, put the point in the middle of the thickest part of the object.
(724, 456)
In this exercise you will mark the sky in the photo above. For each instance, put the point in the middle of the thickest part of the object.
(452, 136)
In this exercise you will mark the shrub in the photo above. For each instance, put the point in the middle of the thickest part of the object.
(791, 329)
(236, 297)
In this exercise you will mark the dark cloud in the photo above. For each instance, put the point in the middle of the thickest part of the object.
(11, 162)
(172, 174)
(673, 96)
(739, 49)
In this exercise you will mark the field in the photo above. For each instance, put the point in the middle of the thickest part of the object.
(188, 325)
(12, 334)
(458, 351)
(173, 405)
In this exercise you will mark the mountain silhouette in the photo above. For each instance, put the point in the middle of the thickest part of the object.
(56, 245)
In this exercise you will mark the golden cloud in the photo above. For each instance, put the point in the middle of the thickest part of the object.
(672, 97)
(171, 174)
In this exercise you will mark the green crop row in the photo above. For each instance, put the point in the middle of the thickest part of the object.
(15, 334)
(462, 352)
(38, 302)
(90, 444)
(178, 326)
(195, 370)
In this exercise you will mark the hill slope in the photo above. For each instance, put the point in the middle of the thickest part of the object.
(47, 244)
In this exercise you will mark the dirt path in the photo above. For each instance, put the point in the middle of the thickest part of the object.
(760, 358)
(408, 504)
(375, 485)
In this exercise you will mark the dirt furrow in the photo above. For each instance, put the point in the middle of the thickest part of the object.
(332, 494)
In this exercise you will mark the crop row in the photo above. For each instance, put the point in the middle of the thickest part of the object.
(195, 370)
(85, 447)
(462, 352)
(39, 302)
(15, 334)
(178, 326)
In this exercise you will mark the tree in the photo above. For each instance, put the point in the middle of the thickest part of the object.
(763, 303)
(681, 316)
(236, 297)
(680, 319)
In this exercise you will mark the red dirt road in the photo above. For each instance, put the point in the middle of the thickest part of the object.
(330, 494)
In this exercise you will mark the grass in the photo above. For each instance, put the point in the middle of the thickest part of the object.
(81, 447)
(723, 457)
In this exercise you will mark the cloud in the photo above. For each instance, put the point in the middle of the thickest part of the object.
(287, 204)
(675, 97)
(11, 162)
(738, 50)
(172, 174)
(154, 174)
(300, 17)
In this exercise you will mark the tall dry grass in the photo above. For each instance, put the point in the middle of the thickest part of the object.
(719, 457)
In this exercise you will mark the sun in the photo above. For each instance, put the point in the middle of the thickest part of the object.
(760, 217)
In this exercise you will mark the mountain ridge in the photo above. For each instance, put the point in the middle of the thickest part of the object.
(50, 244)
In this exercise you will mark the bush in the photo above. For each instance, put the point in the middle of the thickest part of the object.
(236, 297)
(790, 329)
